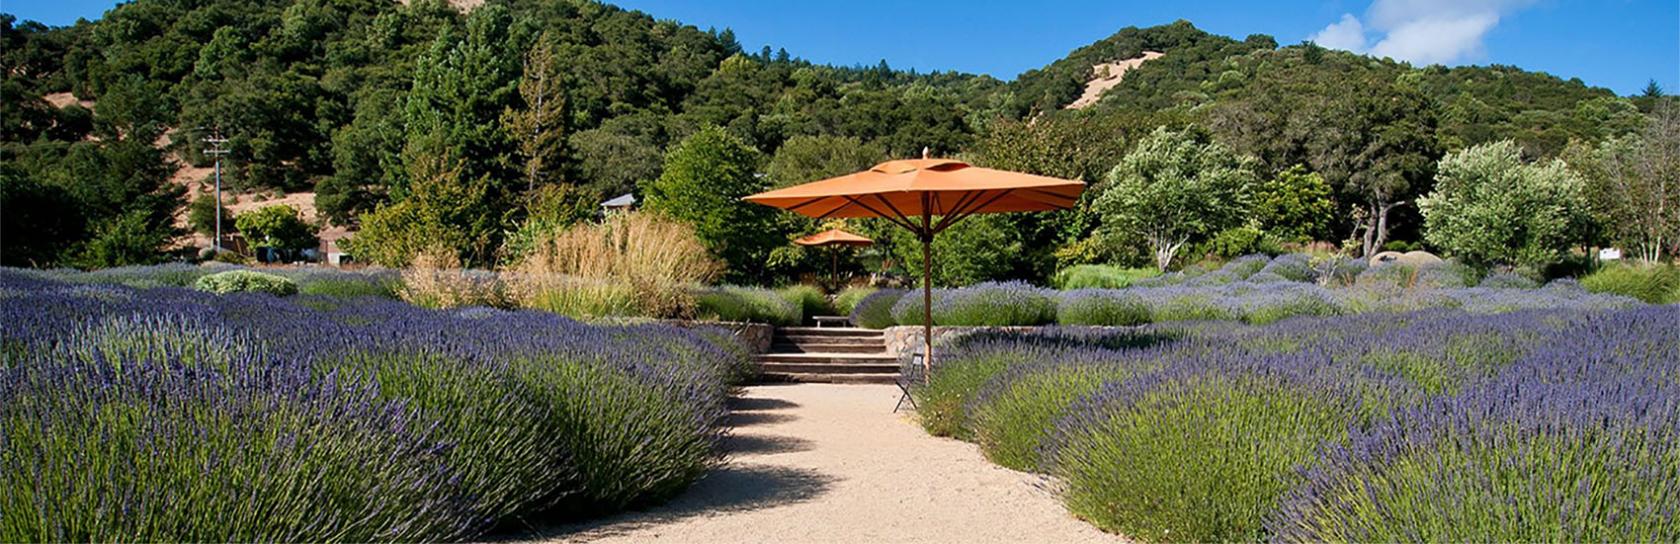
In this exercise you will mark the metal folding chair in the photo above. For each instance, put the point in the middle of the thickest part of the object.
(907, 376)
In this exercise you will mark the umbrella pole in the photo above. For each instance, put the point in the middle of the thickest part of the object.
(927, 306)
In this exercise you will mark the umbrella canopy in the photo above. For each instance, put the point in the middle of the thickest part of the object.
(833, 237)
(922, 189)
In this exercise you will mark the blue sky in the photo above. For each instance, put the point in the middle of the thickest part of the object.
(1618, 44)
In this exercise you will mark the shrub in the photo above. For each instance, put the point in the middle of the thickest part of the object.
(344, 284)
(1339, 271)
(589, 270)
(748, 304)
(849, 297)
(875, 310)
(1652, 283)
(143, 276)
(1101, 307)
(1443, 275)
(246, 281)
(1019, 409)
(985, 304)
(1290, 267)
(1088, 276)
(1386, 275)
(941, 403)
(582, 298)
(810, 300)
(260, 419)
(1187, 304)
(436, 280)
(1508, 280)
(1245, 266)
(1192, 455)
(1574, 443)
(1275, 302)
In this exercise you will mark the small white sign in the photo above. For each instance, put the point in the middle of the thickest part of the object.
(1609, 254)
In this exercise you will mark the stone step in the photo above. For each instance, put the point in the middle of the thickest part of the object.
(827, 368)
(826, 347)
(830, 378)
(828, 331)
(805, 339)
(828, 358)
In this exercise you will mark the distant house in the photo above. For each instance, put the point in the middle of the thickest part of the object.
(621, 203)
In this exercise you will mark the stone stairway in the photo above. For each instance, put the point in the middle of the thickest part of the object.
(828, 355)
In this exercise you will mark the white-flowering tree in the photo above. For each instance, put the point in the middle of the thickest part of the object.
(1175, 188)
(1490, 207)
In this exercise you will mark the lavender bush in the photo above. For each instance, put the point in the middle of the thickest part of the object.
(1442, 424)
(993, 304)
(244, 417)
(1106, 307)
(874, 311)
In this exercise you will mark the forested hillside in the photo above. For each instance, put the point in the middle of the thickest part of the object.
(423, 125)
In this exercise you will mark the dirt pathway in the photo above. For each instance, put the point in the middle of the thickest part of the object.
(832, 463)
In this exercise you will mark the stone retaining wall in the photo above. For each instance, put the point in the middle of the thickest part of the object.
(756, 336)
(903, 339)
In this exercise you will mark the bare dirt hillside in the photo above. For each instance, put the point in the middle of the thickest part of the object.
(1107, 76)
(59, 100)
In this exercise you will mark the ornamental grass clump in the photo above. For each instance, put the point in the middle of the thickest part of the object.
(811, 300)
(638, 264)
(874, 311)
(1651, 283)
(1386, 275)
(436, 280)
(244, 417)
(1103, 307)
(1100, 276)
(747, 304)
(245, 281)
(849, 297)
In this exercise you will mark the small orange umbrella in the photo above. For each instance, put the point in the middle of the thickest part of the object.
(924, 188)
(834, 238)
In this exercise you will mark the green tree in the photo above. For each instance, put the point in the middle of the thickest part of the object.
(703, 182)
(1175, 188)
(1294, 205)
(443, 211)
(201, 216)
(1633, 185)
(128, 239)
(276, 226)
(1489, 207)
(540, 126)
(804, 159)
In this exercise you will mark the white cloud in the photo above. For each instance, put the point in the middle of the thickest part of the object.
(1419, 31)
(1346, 34)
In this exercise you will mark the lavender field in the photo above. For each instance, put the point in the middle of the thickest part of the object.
(1559, 424)
(1254, 289)
(168, 414)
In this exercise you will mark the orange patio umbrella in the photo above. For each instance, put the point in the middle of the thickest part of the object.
(833, 238)
(912, 193)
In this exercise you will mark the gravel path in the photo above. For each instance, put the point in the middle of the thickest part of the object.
(832, 463)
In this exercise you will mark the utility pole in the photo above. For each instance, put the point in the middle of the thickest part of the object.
(215, 141)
